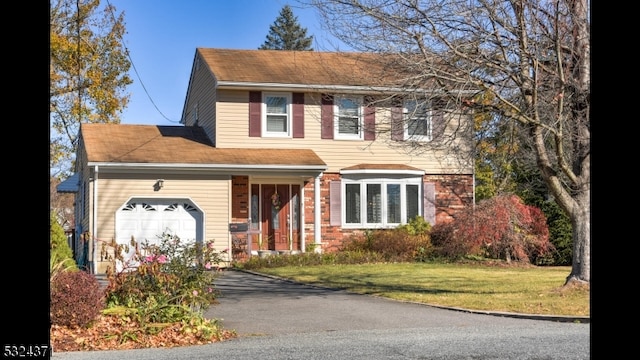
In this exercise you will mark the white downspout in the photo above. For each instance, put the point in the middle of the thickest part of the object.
(94, 231)
(302, 222)
(318, 216)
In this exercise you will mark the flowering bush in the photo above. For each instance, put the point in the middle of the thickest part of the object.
(167, 281)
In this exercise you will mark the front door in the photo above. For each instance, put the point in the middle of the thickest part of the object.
(275, 217)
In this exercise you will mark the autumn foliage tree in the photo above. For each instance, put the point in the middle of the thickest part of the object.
(530, 58)
(88, 73)
(502, 227)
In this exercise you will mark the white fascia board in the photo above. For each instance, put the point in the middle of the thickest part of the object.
(221, 167)
(382, 171)
(308, 87)
(332, 88)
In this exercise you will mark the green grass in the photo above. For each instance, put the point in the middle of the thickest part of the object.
(519, 289)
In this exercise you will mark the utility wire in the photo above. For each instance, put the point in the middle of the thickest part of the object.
(135, 70)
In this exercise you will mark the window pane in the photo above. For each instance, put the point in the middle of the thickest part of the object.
(348, 126)
(276, 123)
(254, 212)
(276, 105)
(374, 203)
(418, 119)
(275, 218)
(394, 214)
(412, 202)
(296, 211)
(348, 107)
(352, 203)
(348, 116)
(419, 127)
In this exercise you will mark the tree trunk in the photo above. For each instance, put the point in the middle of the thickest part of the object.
(581, 221)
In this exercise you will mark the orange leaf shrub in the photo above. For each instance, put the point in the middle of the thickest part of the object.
(502, 227)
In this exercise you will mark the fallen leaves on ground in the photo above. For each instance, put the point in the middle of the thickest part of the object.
(110, 333)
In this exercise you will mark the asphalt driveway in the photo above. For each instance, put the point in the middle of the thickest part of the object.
(254, 304)
(279, 319)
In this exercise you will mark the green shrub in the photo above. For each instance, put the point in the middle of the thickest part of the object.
(60, 251)
(171, 281)
(57, 265)
(76, 299)
(311, 259)
(407, 242)
(418, 225)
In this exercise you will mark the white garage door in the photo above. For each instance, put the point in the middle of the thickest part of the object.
(147, 219)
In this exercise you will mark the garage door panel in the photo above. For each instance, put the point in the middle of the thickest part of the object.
(149, 219)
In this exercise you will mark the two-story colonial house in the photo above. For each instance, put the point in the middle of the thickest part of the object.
(290, 150)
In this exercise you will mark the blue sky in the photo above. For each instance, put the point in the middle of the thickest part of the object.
(162, 37)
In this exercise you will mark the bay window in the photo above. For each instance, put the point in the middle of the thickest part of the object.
(380, 202)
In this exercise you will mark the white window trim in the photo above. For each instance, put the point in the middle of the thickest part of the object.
(406, 119)
(336, 119)
(265, 132)
(363, 182)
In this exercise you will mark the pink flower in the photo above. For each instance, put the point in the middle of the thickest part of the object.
(207, 266)
(195, 292)
(162, 259)
(209, 290)
(148, 258)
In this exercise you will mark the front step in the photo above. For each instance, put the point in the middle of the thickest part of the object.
(102, 279)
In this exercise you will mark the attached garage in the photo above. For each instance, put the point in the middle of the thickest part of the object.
(146, 220)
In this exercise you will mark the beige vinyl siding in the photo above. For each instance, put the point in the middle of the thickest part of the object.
(233, 128)
(202, 92)
(210, 194)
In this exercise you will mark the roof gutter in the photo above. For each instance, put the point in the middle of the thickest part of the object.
(238, 85)
(213, 167)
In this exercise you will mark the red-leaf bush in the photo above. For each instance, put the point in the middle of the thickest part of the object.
(502, 227)
(76, 299)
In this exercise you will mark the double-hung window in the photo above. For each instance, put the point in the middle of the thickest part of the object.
(417, 116)
(380, 202)
(276, 119)
(348, 118)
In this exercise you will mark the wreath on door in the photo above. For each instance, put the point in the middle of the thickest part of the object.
(275, 200)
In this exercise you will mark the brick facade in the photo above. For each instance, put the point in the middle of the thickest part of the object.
(453, 193)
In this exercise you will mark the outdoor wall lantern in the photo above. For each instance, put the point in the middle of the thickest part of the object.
(158, 185)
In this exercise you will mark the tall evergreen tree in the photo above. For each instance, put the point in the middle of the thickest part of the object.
(286, 33)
